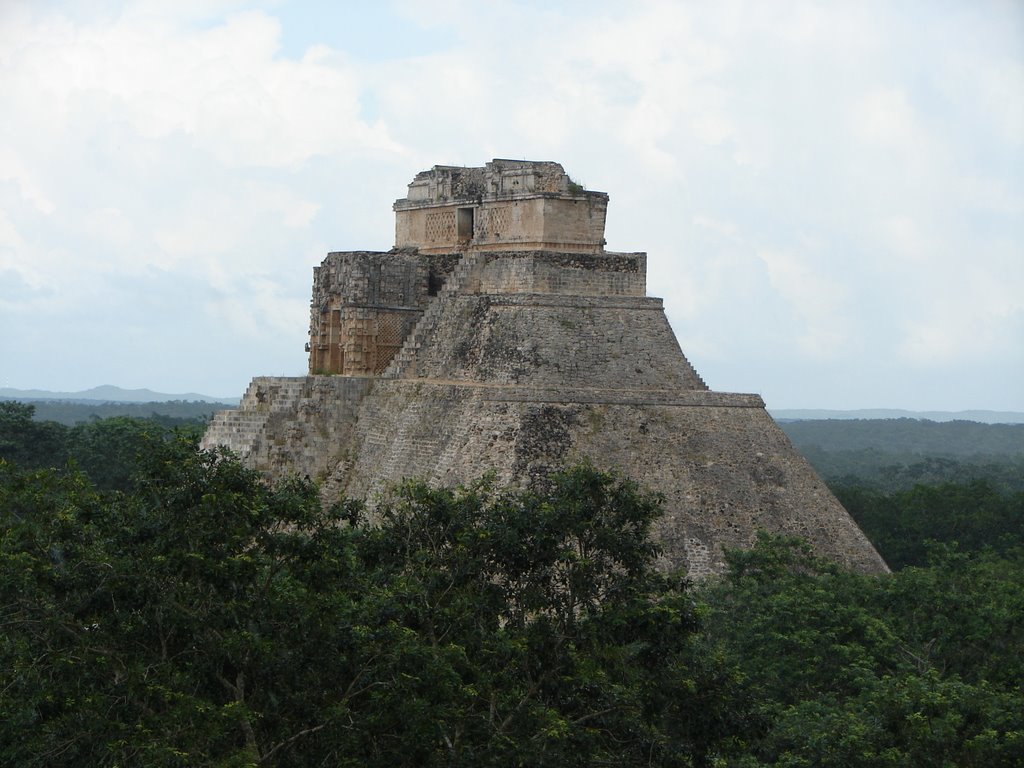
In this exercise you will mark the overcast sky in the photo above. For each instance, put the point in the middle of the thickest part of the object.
(831, 194)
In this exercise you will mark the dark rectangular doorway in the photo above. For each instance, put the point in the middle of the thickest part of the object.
(464, 224)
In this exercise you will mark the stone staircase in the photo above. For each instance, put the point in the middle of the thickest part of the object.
(693, 372)
(403, 365)
(241, 429)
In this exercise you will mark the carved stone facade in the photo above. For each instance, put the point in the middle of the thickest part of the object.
(503, 205)
(364, 305)
(516, 351)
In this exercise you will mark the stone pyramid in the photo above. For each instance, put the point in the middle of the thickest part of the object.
(500, 336)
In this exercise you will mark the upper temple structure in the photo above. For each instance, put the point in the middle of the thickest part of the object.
(506, 205)
(499, 335)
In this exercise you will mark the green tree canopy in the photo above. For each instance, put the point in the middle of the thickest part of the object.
(208, 619)
(921, 668)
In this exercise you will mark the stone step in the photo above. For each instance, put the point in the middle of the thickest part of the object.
(406, 356)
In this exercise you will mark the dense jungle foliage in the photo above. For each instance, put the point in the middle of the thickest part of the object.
(897, 454)
(161, 606)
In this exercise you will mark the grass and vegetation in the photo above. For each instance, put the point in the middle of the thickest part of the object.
(162, 606)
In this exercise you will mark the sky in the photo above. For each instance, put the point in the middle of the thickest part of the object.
(831, 194)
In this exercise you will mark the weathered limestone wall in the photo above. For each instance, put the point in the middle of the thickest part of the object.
(505, 204)
(726, 472)
(725, 468)
(302, 425)
(567, 274)
(569, 223)
(545, 340)
(579, 221)
(496, 178)
(430, 229)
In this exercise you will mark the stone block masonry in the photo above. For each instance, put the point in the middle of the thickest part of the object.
(723, 466)
(563, 274)
(505, 204)
(364, 304)
(297, 425)
(499, 336)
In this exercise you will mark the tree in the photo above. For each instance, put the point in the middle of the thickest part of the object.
(110, 451)
(571, 648)
(28, 443)
(975, 515)
(853, 670)
(171, 627)
(205, 618)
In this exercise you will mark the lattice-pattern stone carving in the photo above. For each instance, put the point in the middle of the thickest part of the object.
(440, 226)
(493, 221)
(391, 330)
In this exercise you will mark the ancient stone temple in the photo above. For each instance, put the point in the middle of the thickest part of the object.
(499, 335)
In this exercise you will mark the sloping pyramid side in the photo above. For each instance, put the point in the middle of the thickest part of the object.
(518, 384)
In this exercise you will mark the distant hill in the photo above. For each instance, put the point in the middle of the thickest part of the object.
(984, 417)
(108, 393)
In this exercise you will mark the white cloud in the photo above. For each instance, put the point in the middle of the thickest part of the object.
(11, 241)
(259, 307)
(111, 226)
(1002, 82)
(813, 182)
(712, 128)
(13, 168)
(725, 228)
(907, 244)
(818, 300)
(884, 115)
(992, 195)
(224, 87)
